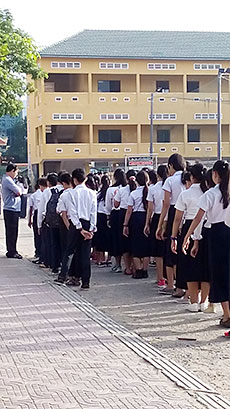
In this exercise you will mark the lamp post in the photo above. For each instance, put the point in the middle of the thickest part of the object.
(151, 128)
(219, 136)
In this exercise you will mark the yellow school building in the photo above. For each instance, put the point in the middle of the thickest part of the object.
(94, 108)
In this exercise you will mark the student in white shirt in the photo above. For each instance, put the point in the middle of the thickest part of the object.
(134, 226)
(63, 209)
(113, 217)
(101, 238)
(121, 201)
(191, 269)
(83, 216)
(215, 202)
(155, 204)
(173, 186)
(34, 201)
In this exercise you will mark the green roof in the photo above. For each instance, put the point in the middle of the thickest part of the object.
(178, 45)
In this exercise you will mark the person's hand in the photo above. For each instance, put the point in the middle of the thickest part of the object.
(30, 224)
(174, 246)
(126, 231)
(86, 234)
(146, 230)
(185, 244)
(194, 249)
(108, 223)
(159, 233)
(39, 231)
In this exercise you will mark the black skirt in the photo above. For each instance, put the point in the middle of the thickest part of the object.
(220, 262)
(157, 247)
(170, 259)
(115, 233)
(140, 244)
(125, 244)
(101, 239)
(190, 269)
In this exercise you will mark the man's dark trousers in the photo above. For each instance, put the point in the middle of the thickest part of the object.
(11, 225)
(81, 249)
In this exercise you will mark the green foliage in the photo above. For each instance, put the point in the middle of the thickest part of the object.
(18, 58)
(17, 151)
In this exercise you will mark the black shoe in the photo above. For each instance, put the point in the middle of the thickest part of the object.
(59, 280)
(145, 274)
(85, 287)
(17, 256)
(138, 274)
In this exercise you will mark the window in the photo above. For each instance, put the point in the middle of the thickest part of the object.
(206, 116)
(193, 135)
(113, 66)
(113, 117)
(161, 66)
(65, 64)
(193, 86)
(163, 135)
(207, 66)
(109, 136)
(163, 117)
(162, 86)
(108, 86)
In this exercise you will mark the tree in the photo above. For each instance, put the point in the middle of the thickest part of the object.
(18, 58)
(17, 151)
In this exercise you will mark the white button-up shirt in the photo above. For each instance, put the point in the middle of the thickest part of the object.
(135, 200)
(64, 202)
(35, 199)
(211, 203)
(156, 195)
(46, 195)
(122, 196)
(83, 206)
(174, 186)
(109, 198)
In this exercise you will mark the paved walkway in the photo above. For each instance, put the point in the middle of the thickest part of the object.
(53, 356)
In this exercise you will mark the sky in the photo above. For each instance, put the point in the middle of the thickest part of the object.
(49, 21)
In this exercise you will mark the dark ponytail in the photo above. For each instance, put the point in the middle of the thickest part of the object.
(178, 163)
(131, 176)
(222, 168)
(142, 180)
(208, 179)
(152, 177)
(120, 178)
(198, 172)
(162, 173)
(105, 183)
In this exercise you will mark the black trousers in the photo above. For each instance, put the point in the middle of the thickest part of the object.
(80, 249)
(37, 238)
(55, 248)
(11, 225)
(45, 245)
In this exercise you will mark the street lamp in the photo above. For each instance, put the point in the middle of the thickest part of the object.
(151, 128)
(220, 73)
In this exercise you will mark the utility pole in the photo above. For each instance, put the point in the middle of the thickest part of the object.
(151, 128)
(219, 150)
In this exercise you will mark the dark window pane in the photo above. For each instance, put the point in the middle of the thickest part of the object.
(108, 86)
(163, 136)
(162, 86)
(192, 86)
(109, 136)
(193, 135)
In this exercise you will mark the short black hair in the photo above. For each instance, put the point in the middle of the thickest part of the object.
(60, 175)
(10, 167)
(42, 182)
(79, 174)
(52, 178)
(66, 178)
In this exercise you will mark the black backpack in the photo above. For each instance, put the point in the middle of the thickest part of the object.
(52, 218)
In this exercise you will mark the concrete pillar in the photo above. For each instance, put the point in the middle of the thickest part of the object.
(90, 88)
(185, 138)
(184, 83)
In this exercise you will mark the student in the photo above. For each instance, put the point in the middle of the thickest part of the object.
(121, 201)
(134, 226)
(191, 268)
(83, 216)
(173, 186)
(11, 209)
(63, 209)
(101, 238)
(113, 217)
(51, 252)
(34, 201)
(23, 185)
(216, 203)
(155, 203)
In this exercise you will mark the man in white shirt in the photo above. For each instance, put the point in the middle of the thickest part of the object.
(83, 217)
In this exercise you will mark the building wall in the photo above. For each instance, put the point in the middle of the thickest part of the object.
(137, 83)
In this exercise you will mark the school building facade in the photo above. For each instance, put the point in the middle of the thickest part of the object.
(94, 109)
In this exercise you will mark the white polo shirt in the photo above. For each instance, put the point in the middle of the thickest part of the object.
(135, 200)
(174, 186)
(156, 195)
(211, 203)
(122, 196)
